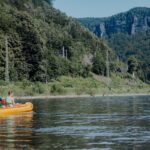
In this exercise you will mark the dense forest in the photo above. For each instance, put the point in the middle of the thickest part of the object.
(39, 43)
(128, 34)
(137, 46)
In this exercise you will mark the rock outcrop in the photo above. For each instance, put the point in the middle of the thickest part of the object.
(130, 22)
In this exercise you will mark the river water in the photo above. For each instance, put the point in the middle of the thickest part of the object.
(104, 123)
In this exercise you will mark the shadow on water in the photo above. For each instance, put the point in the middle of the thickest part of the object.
(93, 123)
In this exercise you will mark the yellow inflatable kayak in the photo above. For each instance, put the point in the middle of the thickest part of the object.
(18, 108)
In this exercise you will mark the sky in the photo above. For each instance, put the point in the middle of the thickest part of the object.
(97, 8)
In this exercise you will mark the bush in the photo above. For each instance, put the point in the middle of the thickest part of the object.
(91, 92)
(79, 91)
(3, 91)
(57, 89)
(26, 83)
(39, 88)
(3, 83)
(29, 92)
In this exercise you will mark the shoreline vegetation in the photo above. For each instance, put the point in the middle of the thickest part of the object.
(76, 87)
(78, 96)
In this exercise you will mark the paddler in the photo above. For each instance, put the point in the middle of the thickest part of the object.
(10, 101)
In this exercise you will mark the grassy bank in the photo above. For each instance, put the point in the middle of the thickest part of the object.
(93, 85)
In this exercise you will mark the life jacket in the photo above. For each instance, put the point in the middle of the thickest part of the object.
(8, 100)
(3, 102)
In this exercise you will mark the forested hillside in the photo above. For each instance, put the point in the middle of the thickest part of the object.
(42, 43)
(128, 34)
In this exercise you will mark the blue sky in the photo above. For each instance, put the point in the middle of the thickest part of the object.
(97, 8)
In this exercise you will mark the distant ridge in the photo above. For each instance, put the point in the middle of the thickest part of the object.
(127, 33)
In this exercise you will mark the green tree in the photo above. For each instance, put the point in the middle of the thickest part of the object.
(132, 65)
(99, 66)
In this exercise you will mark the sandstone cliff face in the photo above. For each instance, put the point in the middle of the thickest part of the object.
(130, 22)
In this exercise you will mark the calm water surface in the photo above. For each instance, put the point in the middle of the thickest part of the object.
(109, 123)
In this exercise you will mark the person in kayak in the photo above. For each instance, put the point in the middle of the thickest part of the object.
(10, 99)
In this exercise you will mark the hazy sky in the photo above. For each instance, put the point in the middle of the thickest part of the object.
(97, 8)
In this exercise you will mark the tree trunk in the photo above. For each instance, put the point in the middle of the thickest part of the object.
(133, 75)
(6, 60)
(107, 64)
(63, 52)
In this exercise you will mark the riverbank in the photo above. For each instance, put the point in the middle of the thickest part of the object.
(69, 87)
(77, 96)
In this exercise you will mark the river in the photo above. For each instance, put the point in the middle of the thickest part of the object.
(104, 123)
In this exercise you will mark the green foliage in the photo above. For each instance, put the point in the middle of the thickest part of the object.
(26, 83)
(136, 45)
(57, 89)
(77, 86)
(99, 66)
(44, 44)
(40, 2)
(39, 88)
(3, 83)
(124, 39)
(132, 65)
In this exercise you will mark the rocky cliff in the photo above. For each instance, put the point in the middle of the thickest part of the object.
(130, 22)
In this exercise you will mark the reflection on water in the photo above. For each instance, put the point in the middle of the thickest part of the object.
(93, 123)
(15, 131)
